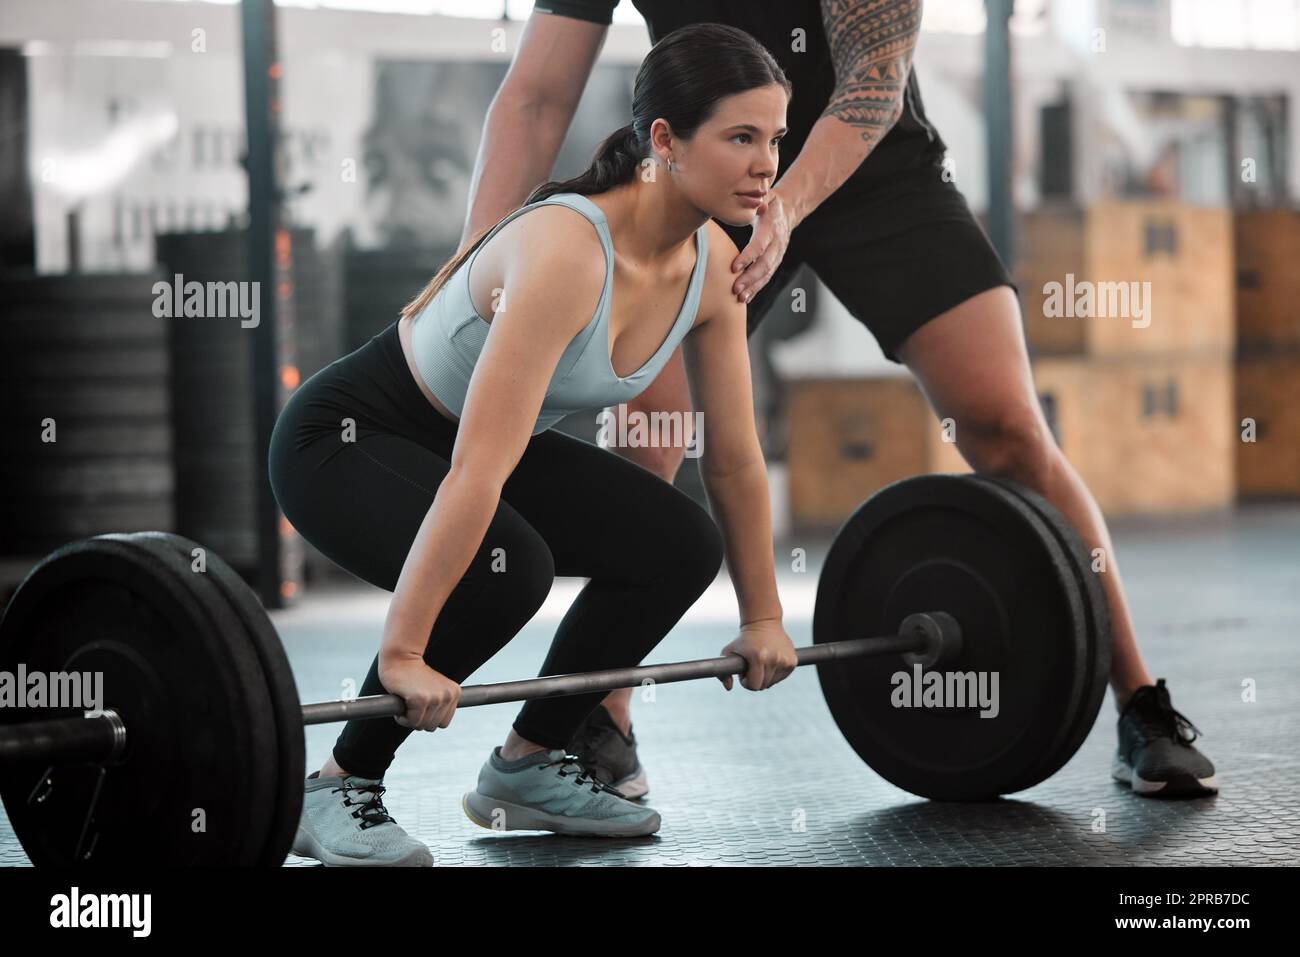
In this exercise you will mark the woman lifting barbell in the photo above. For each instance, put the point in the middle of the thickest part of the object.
(425, 462)
(866, 200)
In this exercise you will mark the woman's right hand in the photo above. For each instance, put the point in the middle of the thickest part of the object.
(431, 697)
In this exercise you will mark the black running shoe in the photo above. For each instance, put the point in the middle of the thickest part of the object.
(609, 754)
(1155, 755)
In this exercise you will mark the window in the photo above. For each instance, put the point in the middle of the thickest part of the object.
(518, 10)
(968, 16)
(1237, 24)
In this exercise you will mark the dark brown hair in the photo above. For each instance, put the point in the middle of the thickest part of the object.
(682, 79)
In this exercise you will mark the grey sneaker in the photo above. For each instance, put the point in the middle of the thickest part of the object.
(602, 746)
(552, 791)
(345, 824)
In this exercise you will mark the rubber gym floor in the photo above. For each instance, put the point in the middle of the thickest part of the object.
(767, 779)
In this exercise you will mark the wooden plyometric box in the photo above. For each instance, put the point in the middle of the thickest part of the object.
(1268, 421)
(1123, 278)
(1268, 278)
(1148, 434)
(851, 437)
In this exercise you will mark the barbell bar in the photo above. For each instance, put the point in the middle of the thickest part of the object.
(103, 737)
(935, 634)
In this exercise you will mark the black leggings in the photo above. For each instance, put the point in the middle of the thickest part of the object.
(569, 508)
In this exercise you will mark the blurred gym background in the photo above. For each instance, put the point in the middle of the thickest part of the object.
(324, 147)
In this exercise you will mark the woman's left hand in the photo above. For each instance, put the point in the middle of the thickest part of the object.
(766, 247)
(768, 652)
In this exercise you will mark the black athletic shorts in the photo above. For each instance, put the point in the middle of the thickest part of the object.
(896, 254)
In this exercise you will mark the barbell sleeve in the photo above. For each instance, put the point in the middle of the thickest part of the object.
(97, 738)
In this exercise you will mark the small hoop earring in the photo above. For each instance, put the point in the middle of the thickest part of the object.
(672, 167)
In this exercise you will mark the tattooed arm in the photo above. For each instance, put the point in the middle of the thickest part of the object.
(871, 45)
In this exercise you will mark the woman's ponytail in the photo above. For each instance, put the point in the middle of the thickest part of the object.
(614, 164)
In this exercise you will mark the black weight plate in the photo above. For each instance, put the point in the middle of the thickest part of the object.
(948, 543)
(291, 760)
(1015, 496)
(191, 710)
(259, 758)
(1097, 612)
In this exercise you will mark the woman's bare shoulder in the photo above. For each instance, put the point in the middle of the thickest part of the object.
(716, 296)
(552, 266)
(722, 251)
(551, 245)
(553, 233)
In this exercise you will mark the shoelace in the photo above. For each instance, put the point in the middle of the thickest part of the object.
(371, 811)
(1164, 720)
(584, 776)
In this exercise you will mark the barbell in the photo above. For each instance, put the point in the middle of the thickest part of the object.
(988, 671)
(100, 737)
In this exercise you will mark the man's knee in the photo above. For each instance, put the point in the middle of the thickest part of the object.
(1015, 444)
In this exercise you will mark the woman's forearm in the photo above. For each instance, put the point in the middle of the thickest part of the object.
(740, 500)
(449, 537)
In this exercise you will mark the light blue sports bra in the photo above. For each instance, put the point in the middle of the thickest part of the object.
(448, 335)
